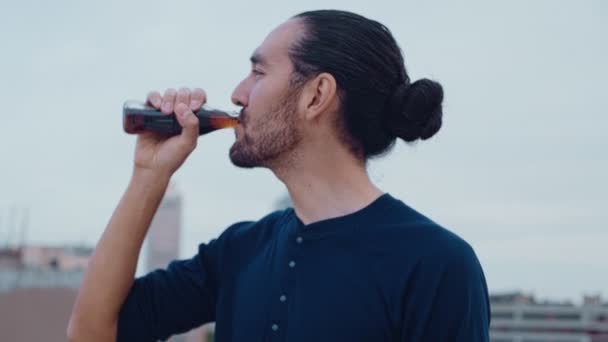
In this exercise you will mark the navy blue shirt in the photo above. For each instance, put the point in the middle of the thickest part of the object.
(383, 273)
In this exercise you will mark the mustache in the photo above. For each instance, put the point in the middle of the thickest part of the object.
(242, 116)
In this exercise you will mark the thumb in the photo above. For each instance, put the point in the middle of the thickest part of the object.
(188, 121)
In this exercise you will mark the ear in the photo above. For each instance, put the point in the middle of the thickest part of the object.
(319, 95)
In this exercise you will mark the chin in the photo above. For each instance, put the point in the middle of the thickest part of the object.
(242, 163)
(238, 158)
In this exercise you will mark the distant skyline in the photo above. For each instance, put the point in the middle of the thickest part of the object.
(518, 169)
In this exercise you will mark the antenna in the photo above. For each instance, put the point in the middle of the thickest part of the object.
(25, 220)
(1, 240)
(10, 225)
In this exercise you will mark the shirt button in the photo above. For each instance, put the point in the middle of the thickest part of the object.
(283, 298)
(292, 264)
(275, 327)
(299, 239)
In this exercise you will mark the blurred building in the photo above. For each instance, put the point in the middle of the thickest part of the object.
(163, 239)
(29, 267)
(163, 246)
(38, 286)
(35, 314)
(520, 318)
(65, 258)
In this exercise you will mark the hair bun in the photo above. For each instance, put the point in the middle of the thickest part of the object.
(415, 111)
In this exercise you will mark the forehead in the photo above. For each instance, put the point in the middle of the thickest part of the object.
(275, 47)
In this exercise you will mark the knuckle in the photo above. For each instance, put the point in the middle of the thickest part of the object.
(170, 92)
(200, 93)
(183, 95)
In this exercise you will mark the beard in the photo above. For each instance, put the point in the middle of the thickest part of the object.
(269, 144)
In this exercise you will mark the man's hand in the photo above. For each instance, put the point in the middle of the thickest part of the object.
(162, 155)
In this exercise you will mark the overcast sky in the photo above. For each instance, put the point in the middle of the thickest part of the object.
(517, 169)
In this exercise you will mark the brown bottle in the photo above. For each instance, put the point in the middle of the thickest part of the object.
(139, 117)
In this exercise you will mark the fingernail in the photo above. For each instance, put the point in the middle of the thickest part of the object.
(194, 104)
(166, 107)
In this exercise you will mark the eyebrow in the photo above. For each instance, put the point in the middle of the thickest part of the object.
(256, 58)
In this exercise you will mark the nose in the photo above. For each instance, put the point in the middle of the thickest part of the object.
(240, 94)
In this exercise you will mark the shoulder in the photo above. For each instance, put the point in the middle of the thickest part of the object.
(447, 249)
(408, 231)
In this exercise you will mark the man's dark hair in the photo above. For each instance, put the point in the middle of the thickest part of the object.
(378, 103)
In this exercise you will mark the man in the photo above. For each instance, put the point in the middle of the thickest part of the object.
(327, 91)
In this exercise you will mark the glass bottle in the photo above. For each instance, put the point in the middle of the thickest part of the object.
(140, 117)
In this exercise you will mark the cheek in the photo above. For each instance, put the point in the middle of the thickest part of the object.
(266, 90)
(256, 94)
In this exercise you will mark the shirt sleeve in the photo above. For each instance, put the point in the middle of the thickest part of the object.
(173, 300)
(450, 299)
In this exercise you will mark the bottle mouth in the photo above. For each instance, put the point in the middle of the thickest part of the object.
(219, 123)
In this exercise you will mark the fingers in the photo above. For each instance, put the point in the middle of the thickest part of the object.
(154, 99)
(189, 123)
(183, 96)
(197, 99)
(168, 101)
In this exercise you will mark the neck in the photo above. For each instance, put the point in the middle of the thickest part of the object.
(327, 184)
